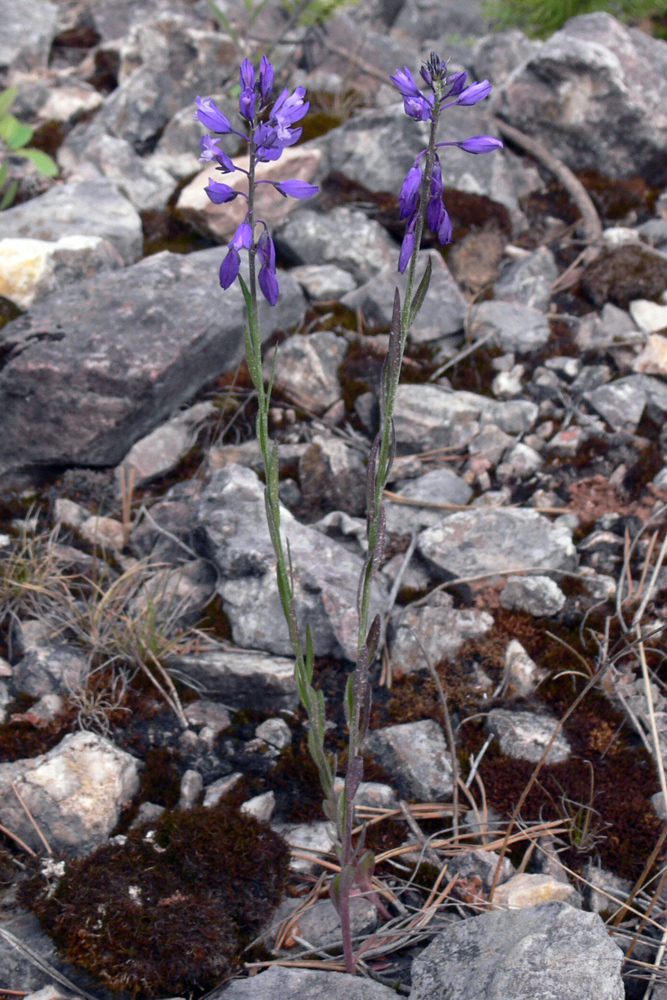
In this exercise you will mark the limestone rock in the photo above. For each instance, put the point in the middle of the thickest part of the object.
(416, 755)
(75, 792)
(524, 735)
(441, 628)
(31, 269)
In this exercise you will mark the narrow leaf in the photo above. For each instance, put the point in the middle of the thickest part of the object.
(348, 701)
(9, 195)
(7, 99)
(420, 294)
(3, 173)
(44, 163)
(373, 638)
(14, 133)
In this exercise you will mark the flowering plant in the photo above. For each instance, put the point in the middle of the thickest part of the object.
(420, 202)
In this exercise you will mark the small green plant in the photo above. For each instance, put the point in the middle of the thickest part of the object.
(543, 17)
(14, 139)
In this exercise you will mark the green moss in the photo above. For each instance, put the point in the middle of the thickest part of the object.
(169, 911)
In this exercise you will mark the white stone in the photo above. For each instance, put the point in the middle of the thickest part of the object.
(308, 838)
(522, 672)
(260, 807)
(653, 358)
(524, 890)
(31, 269)
(648, 316)
(215, 791)
(162, 449)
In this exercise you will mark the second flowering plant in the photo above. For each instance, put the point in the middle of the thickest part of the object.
(268, 131)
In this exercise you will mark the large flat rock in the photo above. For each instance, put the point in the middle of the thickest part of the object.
(595, 94)
(98, 365)
(488, 541)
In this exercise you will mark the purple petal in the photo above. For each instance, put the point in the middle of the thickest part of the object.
(457, 82)
(265, 79)
(210, 115)
(247, 75)
(407, 246)
(408, 198)
(475, 93)
(418, 108)
(266, 251)
(229, 268)
(405, 81)
(296, 188)
(247, 99)
(434, 213)
(480, 144)
(219, 192)
(269, 285)
(445, 229)
(242, 237)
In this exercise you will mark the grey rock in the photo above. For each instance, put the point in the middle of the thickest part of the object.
(260, 807)
(344, 237)
(372, 794)
(75, 792)
(148, 812)
(497, 55)
(165, 63)
(430, 416)
(443, 311)
(32, 269)
(622, 403)
(313, 838)
(491, 540)
(164, 447)
(324, 281)
(426, 19)
(215, 791)
(482, 864)
(538, 595)
(209, 714)
(117, 354)
(28, 29)
(548, 951)
(654, 232)
(529, 280)
(441, 629)
(521, 672)
(344, 529)
(520, 462)
(245, 678)
(192, 785)
(594, 93)
(319, 925)
(524, 735)
(308, 366)
(20, 971)
(176, 596)
(566, 367)
(491, 443)
(275, 732)
(83, 208)
(438, 486)
(231, 525)
(333, 476)
(46, 666)
(416, 756)
(511, 326)
(146, 184)
(303, 984)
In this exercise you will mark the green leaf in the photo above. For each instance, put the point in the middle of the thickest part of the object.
(14, 133)
(7, 99)
(45, 164)
(9, 195)
(3, 173)
(420, 294)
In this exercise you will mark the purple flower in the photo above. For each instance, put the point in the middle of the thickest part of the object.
(476, 144)
(247, 101)
(211, 151)
(210, 115)
(294, 188)
(268, 281)
(219, 193)
(435, 209)
(247, 75)
(270, 143)
(408, 198)
(229, 268)
(474, 93)
(445, 229)
(419, 108)
(406, 83)
(408, 244)
(265, 80)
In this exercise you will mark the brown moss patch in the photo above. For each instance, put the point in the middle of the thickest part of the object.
(168, 913)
